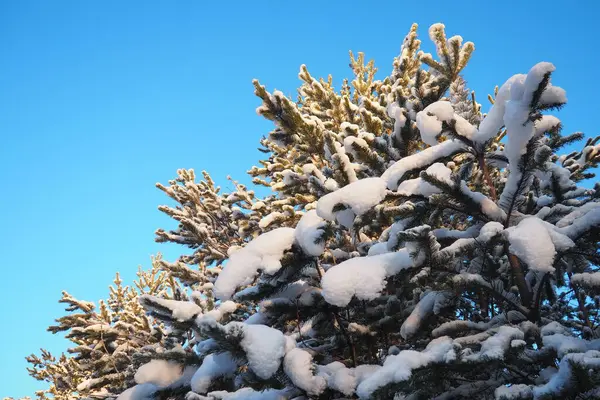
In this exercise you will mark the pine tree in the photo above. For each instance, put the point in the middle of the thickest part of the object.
(412, 247)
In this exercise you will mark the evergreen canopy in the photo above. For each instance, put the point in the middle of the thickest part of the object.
(412, 247)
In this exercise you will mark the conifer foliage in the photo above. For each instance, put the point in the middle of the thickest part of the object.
(412, 247)
(106, 339)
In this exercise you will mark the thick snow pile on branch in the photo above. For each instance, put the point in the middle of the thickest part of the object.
(399, 367)
(535, 242)
(429, 304)
(357, 197)
(213, 366)
(309, 233)
(430, 122)
(262, 253)
(518, 391)
(363, 277)
(298, 366)
(139, 392)
(590, 280)
(264, 347)
(419, 187)
(158, 372)
(420, 160)
(179, 310)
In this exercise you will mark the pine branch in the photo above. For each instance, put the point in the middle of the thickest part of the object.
(519, 278)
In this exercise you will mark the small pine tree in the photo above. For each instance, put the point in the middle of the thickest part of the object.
(106, 339)
(413, 248)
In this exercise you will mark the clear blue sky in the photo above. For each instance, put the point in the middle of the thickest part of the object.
(100, 100)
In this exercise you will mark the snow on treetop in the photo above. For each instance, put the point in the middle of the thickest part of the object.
(516, 116)
(534, 77)
(429, 122)
(494, 120)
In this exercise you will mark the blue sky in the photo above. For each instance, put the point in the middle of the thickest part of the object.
(100, 100)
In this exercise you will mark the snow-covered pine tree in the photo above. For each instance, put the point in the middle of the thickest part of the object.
(412, 247)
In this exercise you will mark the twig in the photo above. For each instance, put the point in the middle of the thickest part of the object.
(581, 304)
(347, 338)
(486, 176)
(298, 321)
(519, 277)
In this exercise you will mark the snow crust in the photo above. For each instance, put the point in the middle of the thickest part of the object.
(494, 120)
(520, 130)
(343, 379)
(565, 344)
(495, 346)
(576, 214)
(248, 394)
(582, 224)
(218, 313)
(429, 121)
(394, 111)
(486, 233)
